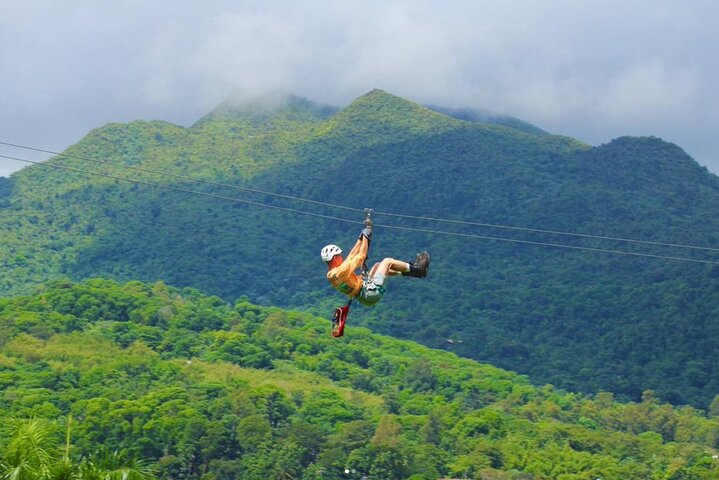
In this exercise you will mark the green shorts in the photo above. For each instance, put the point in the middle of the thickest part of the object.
(372, 290)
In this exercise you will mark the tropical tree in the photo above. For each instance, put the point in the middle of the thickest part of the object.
(34, 453)
(106, 464)
(29, 454)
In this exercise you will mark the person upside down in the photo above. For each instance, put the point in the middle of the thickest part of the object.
(368, 291)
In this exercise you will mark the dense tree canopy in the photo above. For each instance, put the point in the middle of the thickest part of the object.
(185, 384)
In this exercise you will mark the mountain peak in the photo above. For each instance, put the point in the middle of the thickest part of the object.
(383, 116)
(262, 109)
(383, 101)
(378, 93)
(648, 161)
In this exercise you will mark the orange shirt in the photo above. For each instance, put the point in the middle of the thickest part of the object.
(343, 277)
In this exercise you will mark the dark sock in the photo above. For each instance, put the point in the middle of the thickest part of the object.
(408, 272)
(413, 271)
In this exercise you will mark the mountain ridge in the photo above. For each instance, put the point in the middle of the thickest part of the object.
(627, 324)
(261, 109)
(488, 117)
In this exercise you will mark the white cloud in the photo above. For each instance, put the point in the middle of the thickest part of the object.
(649, 90)
(592, 69)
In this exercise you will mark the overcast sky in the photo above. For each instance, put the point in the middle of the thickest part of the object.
(593, 70)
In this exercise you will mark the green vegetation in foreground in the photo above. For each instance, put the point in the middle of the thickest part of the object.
(187, 386)
(33, 452)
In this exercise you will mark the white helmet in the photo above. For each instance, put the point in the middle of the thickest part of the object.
(329, 252)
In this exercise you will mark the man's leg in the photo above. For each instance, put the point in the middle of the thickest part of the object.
(389, 267)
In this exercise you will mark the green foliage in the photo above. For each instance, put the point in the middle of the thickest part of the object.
(142, 409)
(32, 453)
(582, 321)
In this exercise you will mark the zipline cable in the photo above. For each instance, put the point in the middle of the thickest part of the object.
(547, 244)
(181, 177)
(393, 227)
(178, 189)
(387, 214)
(553, 232)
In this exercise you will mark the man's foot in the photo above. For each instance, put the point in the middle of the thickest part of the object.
(420, 266)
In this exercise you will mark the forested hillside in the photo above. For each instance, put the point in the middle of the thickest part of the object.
(176, 384)
(578, 319)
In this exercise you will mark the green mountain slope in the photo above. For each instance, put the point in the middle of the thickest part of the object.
(583, 320)
(200, 388)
